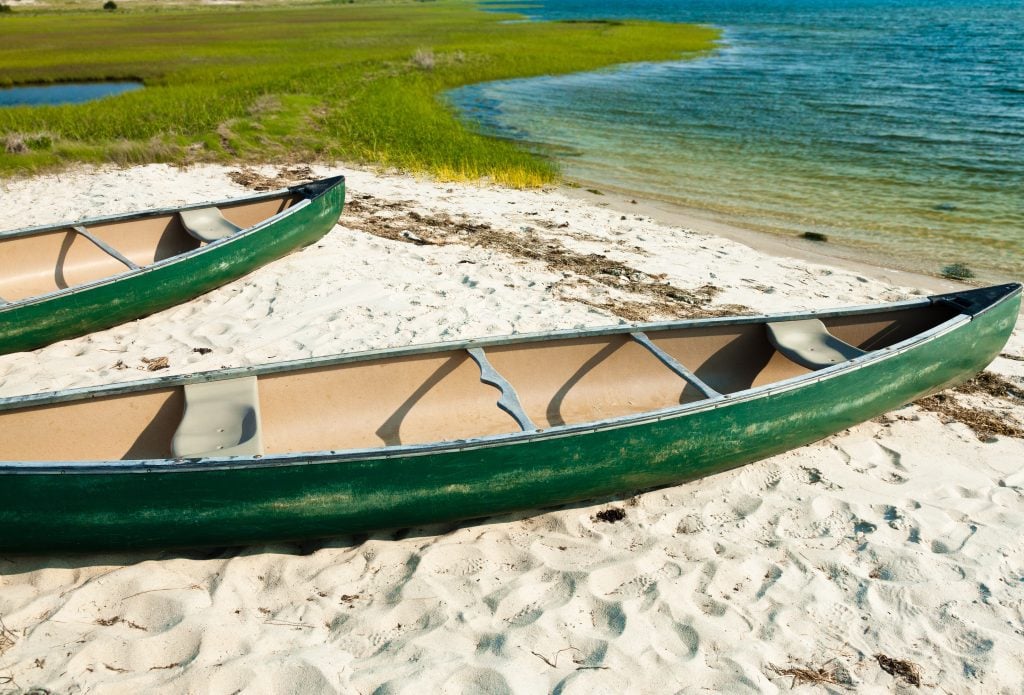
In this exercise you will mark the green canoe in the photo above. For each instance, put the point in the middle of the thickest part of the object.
(453, 431)
(66, 280)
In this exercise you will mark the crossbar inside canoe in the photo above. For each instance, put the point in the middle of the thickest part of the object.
(509, 401)
(105, 247)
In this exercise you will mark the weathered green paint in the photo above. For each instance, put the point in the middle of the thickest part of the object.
(78, 311)
(158, 509)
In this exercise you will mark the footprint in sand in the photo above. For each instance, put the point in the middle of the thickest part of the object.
(456, 560)
(475, 680)
(529, 600)
(953, 540)
(608, 617)
(212, 329)
(624, 582)
(870, 456)
(676, 640)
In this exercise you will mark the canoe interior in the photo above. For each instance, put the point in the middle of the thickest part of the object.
(60, 258)
(439, 396)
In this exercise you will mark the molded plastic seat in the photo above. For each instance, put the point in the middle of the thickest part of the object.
(222, 418)
(207, 224)
(809, 344)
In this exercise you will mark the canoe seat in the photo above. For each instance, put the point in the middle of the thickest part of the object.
(222, 418)
(207, 224)
(809, 344)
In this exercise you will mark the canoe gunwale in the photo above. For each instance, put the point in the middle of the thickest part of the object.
(52, 397)
(211, 247)
(158, 212)
(956, 322)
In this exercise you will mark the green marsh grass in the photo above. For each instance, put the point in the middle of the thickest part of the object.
(336, 81)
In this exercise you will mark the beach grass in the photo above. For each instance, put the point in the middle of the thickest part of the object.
(339, 81)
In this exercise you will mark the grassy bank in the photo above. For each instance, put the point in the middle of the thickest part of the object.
(336, 81)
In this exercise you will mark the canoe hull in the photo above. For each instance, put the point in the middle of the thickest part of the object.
(91, 308)
(318, 496)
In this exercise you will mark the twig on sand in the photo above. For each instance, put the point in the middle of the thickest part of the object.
(7, 638)
(169, 588)
(287, 623)
(815, 676)
(553, 663)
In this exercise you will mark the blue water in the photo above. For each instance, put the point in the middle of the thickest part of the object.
(893, 126)
(49, 95)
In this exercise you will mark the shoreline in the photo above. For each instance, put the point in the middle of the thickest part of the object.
(897, 541)
(826, 253)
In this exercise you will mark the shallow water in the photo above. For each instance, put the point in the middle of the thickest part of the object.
(64, 93)
(896, 127)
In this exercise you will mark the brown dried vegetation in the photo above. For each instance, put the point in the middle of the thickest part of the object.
(655, 296)
(903, 670)
(286, 176)
(984, 422)
(831, 675)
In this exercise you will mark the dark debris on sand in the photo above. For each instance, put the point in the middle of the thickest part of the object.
(286, 176)
(991, 384)
(156, 363)
(655, 296)
(903, 670)
(610, 515)
(832, 673)
(984, 422)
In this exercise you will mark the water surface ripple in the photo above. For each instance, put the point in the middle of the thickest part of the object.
(896, 126)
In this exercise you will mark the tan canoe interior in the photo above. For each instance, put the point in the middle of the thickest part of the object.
(439, 396)
(61, 258)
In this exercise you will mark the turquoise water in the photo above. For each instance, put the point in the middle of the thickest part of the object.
(894, 126)
(65, 93)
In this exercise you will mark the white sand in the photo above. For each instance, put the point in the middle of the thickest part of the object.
(900, 537)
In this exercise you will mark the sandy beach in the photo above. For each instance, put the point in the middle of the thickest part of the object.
(886, 558)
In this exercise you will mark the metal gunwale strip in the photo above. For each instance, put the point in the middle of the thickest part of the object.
(445, 346)
(159, 212)
(159, 265)
(509, 439)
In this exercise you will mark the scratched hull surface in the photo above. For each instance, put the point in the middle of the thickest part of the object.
(59, 282)
(141, 502)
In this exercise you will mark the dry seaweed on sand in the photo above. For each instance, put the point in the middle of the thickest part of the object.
(984, 422)
(901, 669)
(7, 638)
(286, 176)
(833, 674)
(660, 298)
(156, 363)
(610, 515)
(991, 384)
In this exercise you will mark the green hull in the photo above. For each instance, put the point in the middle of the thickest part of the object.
(90, 308)
(319, 496)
